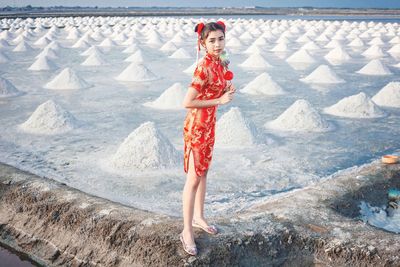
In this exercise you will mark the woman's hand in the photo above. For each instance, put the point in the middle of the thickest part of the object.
(226, 97)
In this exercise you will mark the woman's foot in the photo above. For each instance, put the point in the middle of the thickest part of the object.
(189, 247)
(202, 223)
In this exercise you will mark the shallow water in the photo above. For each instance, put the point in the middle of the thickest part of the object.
(10, 258)
(110, 110)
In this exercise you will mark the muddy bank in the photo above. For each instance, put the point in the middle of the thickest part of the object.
(60, 226)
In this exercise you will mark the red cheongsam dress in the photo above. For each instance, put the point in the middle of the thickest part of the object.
(199, 125)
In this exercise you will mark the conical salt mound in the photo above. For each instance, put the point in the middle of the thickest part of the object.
(234, 130)
(190, 70)
(337, 56)
(375, 67)
(357, 42)
(388, 96)
(255, 61)
(49, 118)
(373, 52)
(132, 48)
(395, 50)
(355, 106)
(107, 43)
(43, 63)
(23, 47)
(322, 75)
(146, 147)
(136, 72)
(137, 57)
(172, 98)
(48, 52)
(94, 60)
(263, 85)
(180, 53)
(7, 89)
(91, 50)
(67, 79)
(301, 56)
(301, 117)
(169, 47)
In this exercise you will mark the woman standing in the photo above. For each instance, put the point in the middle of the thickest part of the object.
(210, 87)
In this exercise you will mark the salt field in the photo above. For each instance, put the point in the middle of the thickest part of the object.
(94, 102)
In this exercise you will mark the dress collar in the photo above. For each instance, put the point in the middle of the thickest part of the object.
(212, 58)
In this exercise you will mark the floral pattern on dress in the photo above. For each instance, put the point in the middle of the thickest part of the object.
(199, 125)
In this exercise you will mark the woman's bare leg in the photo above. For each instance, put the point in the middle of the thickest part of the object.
(199, 200)
(188, 199)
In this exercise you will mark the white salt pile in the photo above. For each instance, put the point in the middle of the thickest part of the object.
(48, 52)
(263, 84)
(255, 61)
(7, 89)
(388, 96)
(49, 118)
(43, 63)
(322, 75)
(355, 106)
(146, 147)
(67, 79)
(190, 70)
(180, 53)
(23, 47)
(94, 59)
(375, 67)
(136, 57)
(337, 56)
(136, 72)
(300, 117)
(373, 52)
(301, 56)
(234, 130)
(172, 98)
(91, 50)
(169, 47)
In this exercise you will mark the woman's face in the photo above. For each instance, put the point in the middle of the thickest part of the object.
(215, 43)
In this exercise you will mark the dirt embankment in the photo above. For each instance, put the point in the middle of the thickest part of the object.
(60, 226)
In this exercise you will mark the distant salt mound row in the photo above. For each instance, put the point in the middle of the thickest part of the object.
(234, 130)
(355, 106)
(43, 63)
(373, 52)
(300, 117)
(301, 56)
(388, 96)
(67, 79)
(7, 89)
(263, 84)
(146, 147)
(172, 98)
(375, 67)
(94, 59)
(181, 53)
(136, 72)
(49, 118)
(91, 50)
(322, 75)
(255, 61)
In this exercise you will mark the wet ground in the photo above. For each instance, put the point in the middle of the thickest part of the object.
(11, 258)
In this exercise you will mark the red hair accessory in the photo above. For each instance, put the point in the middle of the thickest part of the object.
(199, 28)
(222, 24)
(228, 75)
